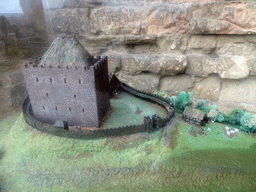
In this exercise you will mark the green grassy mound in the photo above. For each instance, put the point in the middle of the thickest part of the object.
(168, 160)
(30, 157)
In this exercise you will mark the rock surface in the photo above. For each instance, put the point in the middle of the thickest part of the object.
(207, 88)
(70, 20)
(18, 93)
(159, 64)
(114, 62)
(239, 93)
(162, 18)
(227, 66)
(172, 85)
(206, 43)
(116, 20)
(33, 10)
(67, 51)
(172, 45)
(12, 90)
(144, 82)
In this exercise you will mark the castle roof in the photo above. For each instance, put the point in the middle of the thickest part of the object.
(67, 51)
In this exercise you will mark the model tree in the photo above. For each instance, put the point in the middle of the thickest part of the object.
(248, 123)
(183, 99)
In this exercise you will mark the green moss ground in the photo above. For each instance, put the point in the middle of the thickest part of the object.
(30, 157)
(32, 161)
(127, 109)
(204, 163)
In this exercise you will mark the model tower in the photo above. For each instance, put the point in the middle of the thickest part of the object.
(68, 84)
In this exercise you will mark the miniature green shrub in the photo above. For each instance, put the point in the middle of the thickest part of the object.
(246, 120)
(248, 123)
(201, 105)
(213, 115)
(212, 108)
(220, 118)
(183, 99)
(212, 111)
(161, 93)
(235, 116)
(173, 99)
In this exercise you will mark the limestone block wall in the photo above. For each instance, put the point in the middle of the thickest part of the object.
(207, 47)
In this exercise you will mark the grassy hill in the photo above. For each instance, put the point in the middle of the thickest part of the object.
(172, 159)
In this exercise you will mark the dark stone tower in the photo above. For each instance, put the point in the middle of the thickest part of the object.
(68, 84)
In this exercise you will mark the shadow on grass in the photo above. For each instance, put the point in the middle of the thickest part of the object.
(216, 163)
(201, 170)
(1, 153)
(170, 135)
(1, 177)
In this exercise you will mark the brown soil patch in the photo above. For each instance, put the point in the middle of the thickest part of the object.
(192, 132)
(170, 134)
(195, 131)
(77, 156)
(138, 111)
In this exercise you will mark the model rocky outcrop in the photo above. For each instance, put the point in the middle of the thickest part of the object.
(67, 51)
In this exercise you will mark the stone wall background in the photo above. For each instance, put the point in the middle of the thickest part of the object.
(207, 47)
(19, 41)
(12, 90)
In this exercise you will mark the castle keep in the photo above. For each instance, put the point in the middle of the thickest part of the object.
(68, 84)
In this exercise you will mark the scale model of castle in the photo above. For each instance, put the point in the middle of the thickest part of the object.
(67, 84)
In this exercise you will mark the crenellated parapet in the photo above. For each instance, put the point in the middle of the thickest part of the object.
(99, 62)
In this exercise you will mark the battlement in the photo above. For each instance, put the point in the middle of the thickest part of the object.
(35, 63)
